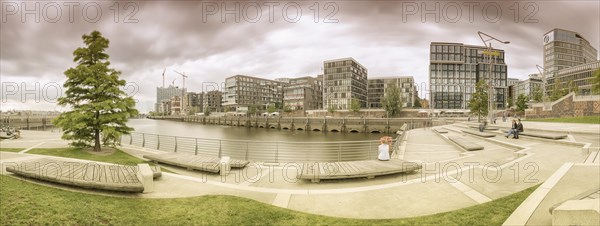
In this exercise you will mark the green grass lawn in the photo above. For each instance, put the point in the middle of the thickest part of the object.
(25, 203)
(582, 119)
(11, 149)
(118, 157)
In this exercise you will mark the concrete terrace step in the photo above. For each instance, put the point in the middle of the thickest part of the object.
(477, 133)
(467, 145)
(541, 135)
(440, 130)
(594, 157)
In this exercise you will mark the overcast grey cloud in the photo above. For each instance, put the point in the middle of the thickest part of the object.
(388, 37)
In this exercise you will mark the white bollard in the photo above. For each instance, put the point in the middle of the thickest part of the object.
(224, 166)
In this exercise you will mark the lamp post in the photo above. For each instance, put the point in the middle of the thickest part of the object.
(490, 81)
(542, 70)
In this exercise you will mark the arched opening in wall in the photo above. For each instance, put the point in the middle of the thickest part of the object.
(317, 130)
(299, 129)
(273, 127)
(285, 128)
(354, 131)
(334, 130)
(261, 127)
(375, 131)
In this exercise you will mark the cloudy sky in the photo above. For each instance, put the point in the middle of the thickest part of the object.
(270, 39)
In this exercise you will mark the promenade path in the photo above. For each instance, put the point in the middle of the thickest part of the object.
(450, 179)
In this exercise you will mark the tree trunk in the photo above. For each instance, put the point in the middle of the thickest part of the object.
(97, 140)
(97, 135)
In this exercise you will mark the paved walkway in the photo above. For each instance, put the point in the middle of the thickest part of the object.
(450, 179)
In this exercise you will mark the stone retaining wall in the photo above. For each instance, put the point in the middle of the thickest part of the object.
(570, 105)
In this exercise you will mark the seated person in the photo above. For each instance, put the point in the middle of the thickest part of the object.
(384, 150)
(482, 126)
(513, 130)
(519, 129)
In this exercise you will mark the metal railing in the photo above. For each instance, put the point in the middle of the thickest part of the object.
(258, 151)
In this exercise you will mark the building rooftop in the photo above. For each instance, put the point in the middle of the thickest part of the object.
(343, 59)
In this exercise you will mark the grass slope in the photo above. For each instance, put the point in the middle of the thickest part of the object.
(25, 203)
(118, 157)
(582, 119)
(11, 149)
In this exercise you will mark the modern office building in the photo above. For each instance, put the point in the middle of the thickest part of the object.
(343, 80)
(564, 49)
(211, 101)
(241, 92)
(377, 88)
(304, 93)
(529, 86)
(455, 68)
(165, 94)
(580, 76)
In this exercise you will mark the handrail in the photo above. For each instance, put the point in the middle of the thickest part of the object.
(261, 151)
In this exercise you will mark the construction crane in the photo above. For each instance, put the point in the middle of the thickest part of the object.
(183, 76)
(163, 75)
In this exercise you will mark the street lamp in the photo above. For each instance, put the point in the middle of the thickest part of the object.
(542, 70)
(489, 53)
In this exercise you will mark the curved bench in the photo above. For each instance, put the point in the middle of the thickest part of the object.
(465, 144)
(91, 175)
(477, 133)
(318, 171)
(194, 162)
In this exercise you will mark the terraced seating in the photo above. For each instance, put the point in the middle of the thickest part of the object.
(465, 144)
(477, 133)
(91, 175)
(541, 135)
(440, 130)
(488, 128)
(593, 157)
(593, 193)
(354, 169)
(194, 162)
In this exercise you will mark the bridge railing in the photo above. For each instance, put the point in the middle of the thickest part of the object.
(258, 151)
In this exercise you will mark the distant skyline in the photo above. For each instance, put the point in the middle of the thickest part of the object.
(387, 37)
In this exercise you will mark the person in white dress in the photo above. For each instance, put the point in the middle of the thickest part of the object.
(384, 150)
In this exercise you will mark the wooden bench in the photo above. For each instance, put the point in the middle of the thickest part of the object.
(541, 135)
(477, 133)
(465, 144)
(354, 169)
(91, 175)
(194, 162)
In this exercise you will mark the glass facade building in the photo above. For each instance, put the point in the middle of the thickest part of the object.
(343, 80)
(305, 93)
(564, 49)
(455, 68)
(377, 88)
(580, 76)
(243, 91)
